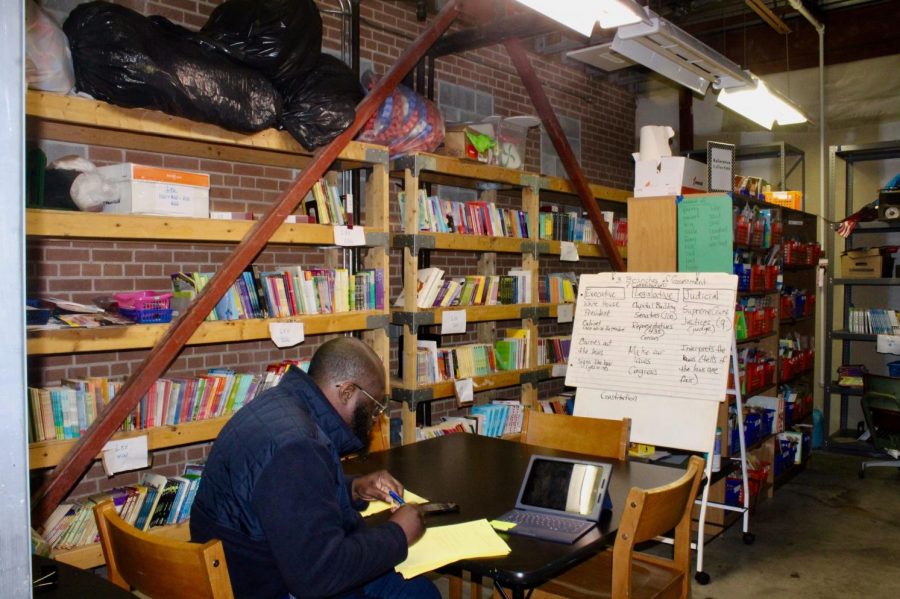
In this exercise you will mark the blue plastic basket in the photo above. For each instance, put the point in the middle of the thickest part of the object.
(145, 306)
(894, 368)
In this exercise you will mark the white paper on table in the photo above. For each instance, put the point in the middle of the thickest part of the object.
(565, 312)
(120, 455)
(568, 252)
(286, 334)
(442, 545)
(453, 321)
(346, 236)
(888, 344)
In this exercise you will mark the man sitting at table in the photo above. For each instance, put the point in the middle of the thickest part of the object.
(274, 492)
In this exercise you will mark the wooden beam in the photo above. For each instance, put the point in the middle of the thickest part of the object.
(521, 25)
(555, 132)
(66, 474)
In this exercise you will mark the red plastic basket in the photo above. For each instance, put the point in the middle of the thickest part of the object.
(145, 306)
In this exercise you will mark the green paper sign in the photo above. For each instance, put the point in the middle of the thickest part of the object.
(705, 234)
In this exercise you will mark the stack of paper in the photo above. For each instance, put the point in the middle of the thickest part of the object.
(442, 545)
(380, 506)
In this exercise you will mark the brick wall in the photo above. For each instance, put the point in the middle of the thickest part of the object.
(82, 270)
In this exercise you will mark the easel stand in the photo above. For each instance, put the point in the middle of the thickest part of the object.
(701, 576)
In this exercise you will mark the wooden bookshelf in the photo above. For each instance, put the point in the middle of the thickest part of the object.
(91, 556)
(140, 336)
(495, 380)
(46, 454)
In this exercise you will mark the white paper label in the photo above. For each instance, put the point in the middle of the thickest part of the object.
(453, 322)
(568, 252)
(888, 344)
(286, 334)
(465, 391)
(348, 237)
(565, 312)
(559, 370)
(125, 454)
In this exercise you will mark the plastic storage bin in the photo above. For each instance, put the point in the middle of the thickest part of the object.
(145, 306)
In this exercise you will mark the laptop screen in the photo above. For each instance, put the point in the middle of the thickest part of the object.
(561, 485)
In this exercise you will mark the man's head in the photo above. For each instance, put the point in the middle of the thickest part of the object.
(351, 377)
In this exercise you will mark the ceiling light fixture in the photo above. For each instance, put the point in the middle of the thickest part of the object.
(761, 104)
(582, 15)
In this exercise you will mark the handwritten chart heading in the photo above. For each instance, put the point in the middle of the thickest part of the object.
(665, 335)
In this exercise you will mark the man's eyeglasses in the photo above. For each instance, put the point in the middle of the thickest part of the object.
(381, 407)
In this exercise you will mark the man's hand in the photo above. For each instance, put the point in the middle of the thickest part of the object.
(411, 519)
(375, 486)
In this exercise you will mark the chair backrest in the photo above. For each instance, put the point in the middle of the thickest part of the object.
(381, 434)
(160, 567)
(881, 408)
(650, 513)
(593, 436)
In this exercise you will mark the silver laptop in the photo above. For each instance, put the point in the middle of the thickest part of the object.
(560, 499)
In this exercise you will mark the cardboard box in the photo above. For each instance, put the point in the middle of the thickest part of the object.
(671, 175)
(160, 191)
(457, 145)
(866, 263)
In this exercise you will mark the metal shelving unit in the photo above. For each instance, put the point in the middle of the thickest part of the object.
(838, 325)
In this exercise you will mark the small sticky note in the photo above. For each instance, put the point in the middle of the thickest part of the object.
(286, 334)
(568, 252)
(501, 525)
(120, 455)
(345, 236)
(565, 312)
(559, 370)
(465, 391)
(453, 321)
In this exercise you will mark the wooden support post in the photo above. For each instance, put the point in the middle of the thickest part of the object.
(66, 474)
(555, 132)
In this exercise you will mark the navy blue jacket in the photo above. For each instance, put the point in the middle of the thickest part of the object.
(274, 492)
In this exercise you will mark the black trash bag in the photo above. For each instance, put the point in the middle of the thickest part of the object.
(131, 60)
(321, 105)
(281, 39)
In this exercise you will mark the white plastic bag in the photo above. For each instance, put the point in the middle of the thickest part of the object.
(48, 61)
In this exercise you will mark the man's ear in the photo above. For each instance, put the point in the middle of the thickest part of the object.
(345, 392)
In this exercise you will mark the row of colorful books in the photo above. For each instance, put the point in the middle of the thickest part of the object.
(156, 501)
(324, 204)
(554, 350)
(569, 225)
(472, 290)
(286, 291)
(561, 404)
(498, 418)
(468, 218)
(558, 288)
(66, 411)
(873, 321)
(435, 364)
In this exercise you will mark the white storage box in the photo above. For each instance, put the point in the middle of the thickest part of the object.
(161, 191)
(669, 176)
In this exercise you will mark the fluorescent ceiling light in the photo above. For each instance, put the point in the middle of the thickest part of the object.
(581, 15)
(662, 47)
(761, 105)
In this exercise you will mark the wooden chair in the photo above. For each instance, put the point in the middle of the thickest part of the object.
(624, 573)
(598, 437)
(159, 567)
(381, 434)
(593, 436)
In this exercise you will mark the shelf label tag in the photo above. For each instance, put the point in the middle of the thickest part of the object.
(347, 237)
(559, 370)
(120, 455)
(286, 334)
(453, 321)
(568, 252)
(465, 391)
(565, 312)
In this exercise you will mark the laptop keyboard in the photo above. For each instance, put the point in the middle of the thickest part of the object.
(545, 521)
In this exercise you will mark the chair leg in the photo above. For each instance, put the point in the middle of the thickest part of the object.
(455, 587)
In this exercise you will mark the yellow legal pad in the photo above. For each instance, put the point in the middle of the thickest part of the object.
(442, 545)
(380, 506)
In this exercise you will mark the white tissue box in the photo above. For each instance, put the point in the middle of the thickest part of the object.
(160, 191)
(668, 176)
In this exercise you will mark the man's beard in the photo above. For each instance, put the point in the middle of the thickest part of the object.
(362, 426)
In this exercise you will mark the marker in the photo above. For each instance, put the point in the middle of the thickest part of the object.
(395, 497)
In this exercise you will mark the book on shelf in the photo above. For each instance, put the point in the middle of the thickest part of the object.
(560, 288)
(554, 350)
(563, 403)
(439, 215)
(873, 321)
(472, 290)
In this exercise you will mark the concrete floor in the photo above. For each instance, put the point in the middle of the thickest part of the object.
(825, 534)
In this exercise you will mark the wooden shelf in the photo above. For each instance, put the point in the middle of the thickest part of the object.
(446, 170)
(427, 240)
(82, 120)
(91, 556)
(139, 336)
(496, 380)
(46, 454)
(93, 225)
(430, 316)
